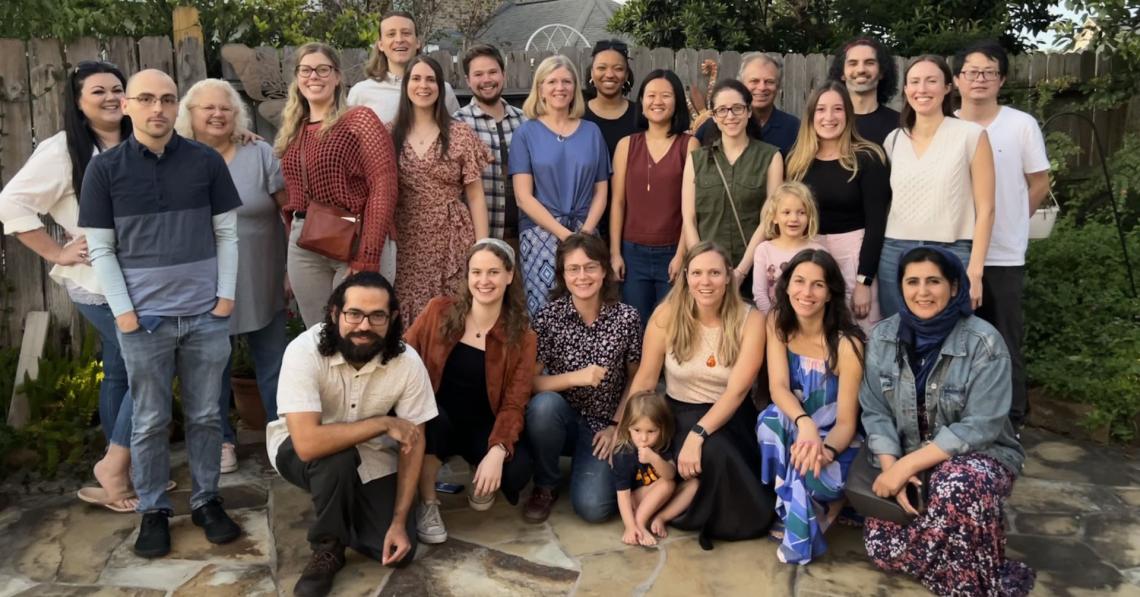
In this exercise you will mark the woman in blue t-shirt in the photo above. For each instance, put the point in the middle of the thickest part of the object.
(560, 166)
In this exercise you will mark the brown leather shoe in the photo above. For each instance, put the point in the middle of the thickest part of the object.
(317, 578)
(538, 506)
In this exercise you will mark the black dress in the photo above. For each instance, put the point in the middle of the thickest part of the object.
(613, 131)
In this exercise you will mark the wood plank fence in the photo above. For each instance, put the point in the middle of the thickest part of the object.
(32, 74)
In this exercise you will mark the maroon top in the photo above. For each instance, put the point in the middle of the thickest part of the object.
(653, 192)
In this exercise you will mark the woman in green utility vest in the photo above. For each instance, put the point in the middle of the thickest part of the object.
(727, 180)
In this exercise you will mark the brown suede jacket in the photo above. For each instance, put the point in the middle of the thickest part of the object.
(510, 368)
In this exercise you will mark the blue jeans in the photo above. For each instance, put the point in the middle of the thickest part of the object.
(197, 349)
(646, 276)
(266, 347)
(555, 429)
(893, 251)
(114, 391)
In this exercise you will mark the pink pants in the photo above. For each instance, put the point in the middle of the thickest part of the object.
(845, 249)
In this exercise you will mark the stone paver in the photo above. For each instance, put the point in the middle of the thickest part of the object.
(1073, 516)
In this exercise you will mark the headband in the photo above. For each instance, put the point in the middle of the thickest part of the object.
(503, 246)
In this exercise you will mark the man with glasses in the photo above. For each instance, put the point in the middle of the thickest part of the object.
(866, 66)
(337, 437)
(1021, 169)
(159, 212)
(762, 75)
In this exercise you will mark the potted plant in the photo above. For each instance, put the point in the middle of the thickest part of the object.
(247, 397)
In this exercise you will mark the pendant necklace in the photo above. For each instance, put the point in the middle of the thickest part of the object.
(711, 361)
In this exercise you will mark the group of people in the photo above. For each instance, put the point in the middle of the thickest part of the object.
(812, 291)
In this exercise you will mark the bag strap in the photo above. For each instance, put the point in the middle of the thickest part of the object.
(731, 201)
(305, 179)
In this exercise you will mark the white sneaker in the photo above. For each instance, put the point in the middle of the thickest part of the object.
(229, 458)
(429, 524)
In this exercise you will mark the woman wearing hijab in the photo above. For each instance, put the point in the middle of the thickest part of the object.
(936, 395)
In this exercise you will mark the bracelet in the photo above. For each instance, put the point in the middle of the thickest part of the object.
(796, 421)
(834, 452)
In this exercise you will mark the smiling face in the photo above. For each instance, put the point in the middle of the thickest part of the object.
(987, 78)
(730, 125)
(101, 100)
(485, 78)
(314, 87)
(807, 290)
(861, 69)
(398, 41)
(360, 342)
(925, 289)
(487, 278)
(423, 89)
(583, 276)
(830, 117)
(791, 216)
(644, 433)
(658, 102)
(925, 88)
(212, 114)
(763, 81)
(557, 90)
(609, 72)
(707, 277)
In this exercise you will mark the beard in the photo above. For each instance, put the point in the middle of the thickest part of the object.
(360, 353)
(483, 97)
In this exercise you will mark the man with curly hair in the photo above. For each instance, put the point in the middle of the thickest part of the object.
(337, 439)
(868, 69)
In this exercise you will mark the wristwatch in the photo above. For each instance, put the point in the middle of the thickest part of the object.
(697, 429)
(864, 280)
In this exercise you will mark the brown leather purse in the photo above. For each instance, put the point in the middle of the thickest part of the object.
(328, 230)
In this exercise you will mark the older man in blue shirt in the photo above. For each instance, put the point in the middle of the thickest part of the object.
(159, 214)
(762, 75)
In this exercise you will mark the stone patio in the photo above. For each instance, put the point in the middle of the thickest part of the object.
(1074, 516)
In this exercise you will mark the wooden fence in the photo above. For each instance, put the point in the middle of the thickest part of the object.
(32, 74)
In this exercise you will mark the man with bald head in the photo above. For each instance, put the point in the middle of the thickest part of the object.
(159, 214)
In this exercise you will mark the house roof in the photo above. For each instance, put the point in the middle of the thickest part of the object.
(518, 19)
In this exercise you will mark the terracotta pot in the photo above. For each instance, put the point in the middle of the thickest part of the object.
(247, 398)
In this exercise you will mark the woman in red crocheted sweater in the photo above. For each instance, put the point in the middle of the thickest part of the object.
(347, 157)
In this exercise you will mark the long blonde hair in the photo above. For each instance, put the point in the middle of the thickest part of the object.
(799, 190)
(850, 142)
(534, 107)
(296, 112)
(682, 328)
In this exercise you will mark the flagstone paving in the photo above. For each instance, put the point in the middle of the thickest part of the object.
(1074, 516)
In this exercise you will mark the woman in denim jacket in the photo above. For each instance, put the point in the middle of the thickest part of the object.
(936, 396)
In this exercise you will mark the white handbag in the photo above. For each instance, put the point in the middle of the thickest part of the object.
(1042, 221)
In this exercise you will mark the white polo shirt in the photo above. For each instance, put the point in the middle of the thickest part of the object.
(310, 382)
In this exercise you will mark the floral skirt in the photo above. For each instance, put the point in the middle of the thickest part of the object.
(957, 546)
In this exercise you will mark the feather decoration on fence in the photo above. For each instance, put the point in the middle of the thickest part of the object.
(701, 98)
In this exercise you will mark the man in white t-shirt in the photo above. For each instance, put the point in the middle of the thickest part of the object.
(337, 437)
(1021, 168)
(397, 45)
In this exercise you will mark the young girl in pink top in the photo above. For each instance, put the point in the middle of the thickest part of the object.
(789, 222)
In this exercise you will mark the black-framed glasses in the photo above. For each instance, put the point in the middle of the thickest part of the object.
(322, 71)
(984, 75)
(148, 100)
(375, 318)
(736, 110)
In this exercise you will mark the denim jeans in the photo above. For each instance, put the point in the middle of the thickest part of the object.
(266, 347)
(555, 429)
(114, 392)
(196, 348)
(893, 251)
(646, 276)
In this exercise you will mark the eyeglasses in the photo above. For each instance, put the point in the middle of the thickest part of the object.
(375, 318)
(213, 108)
(736, 110)
(323, 71)
(148, 100)
(984, 75)
(590, 268)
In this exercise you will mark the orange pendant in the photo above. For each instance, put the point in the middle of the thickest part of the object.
(711, 362)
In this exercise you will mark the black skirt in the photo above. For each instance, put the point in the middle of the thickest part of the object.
(731, 503)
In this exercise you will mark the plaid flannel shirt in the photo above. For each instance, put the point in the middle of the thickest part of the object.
(495, 179)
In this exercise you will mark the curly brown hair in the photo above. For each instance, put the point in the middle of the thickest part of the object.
(514, 312)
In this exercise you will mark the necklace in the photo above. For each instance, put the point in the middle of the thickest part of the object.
(711, 361)
(479, 333)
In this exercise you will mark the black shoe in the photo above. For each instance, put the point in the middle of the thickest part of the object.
(317, 577)
(214, 520)
(154, 535)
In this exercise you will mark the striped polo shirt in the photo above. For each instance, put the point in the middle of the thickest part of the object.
(161, 209)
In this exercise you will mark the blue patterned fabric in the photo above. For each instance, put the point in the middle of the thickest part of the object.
(537, 247)
(801, 500)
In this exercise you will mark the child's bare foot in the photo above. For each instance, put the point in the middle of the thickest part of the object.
(658, 527)
(647, 538)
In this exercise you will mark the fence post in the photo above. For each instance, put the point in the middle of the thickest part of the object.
(189, 47)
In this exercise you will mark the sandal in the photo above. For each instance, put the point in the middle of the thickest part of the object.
(97, 496)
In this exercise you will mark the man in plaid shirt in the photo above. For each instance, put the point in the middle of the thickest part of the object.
(495, 121)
